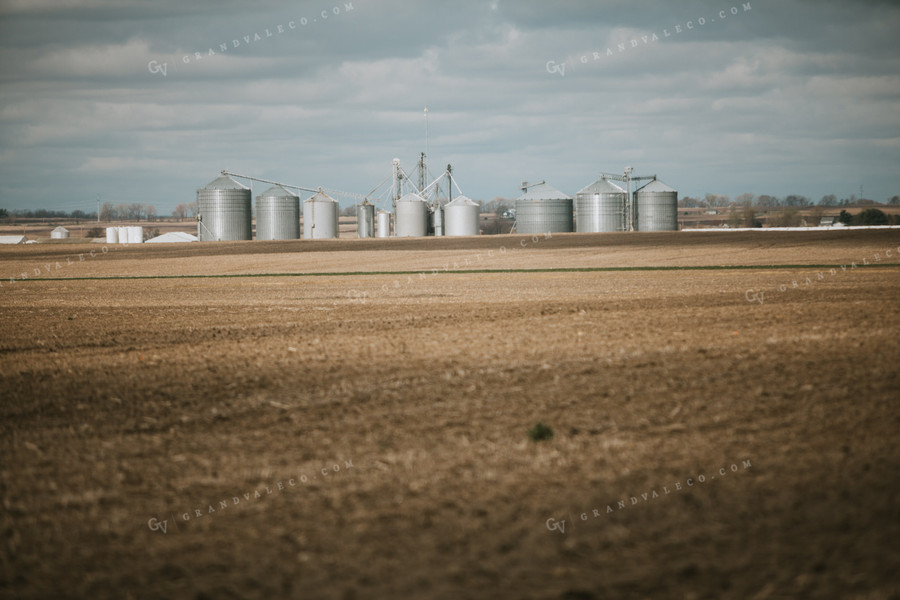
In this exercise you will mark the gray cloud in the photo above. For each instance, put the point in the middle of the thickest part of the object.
(788, 97)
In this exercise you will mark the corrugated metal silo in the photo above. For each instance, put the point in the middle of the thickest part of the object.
(461, 217)
(60, 233)
(656, 207)
(543, 209)
(123, 235)
(225, 212)
(412, 216)
(112, 235)
(277, 215)
(384, 224)
(600, 207)
(320, 217)
(365, 220)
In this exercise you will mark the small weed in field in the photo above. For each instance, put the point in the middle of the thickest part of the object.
(540, 432)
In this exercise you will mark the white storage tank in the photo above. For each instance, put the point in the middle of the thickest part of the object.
(320, 217)
(112, 235)
(277, 215)
(60, 233)
(123, 235)
(461, 217)
(412, 216)
(543, 209)
(436, 220)
(383, 219)
(365, 220)
(135, 235)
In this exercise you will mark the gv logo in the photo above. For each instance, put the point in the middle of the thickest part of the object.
(156, 525)
(553, 525)
(155, 67)
(752, 296)
(552, 68)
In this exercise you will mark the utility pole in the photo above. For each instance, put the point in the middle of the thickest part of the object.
(396, 183)
(98, 208)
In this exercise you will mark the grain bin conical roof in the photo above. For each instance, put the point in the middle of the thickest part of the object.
(321, 197)
(656, 186)
(276, 191)
(462, 201)
(224, 183)
(602, 186)
(542, 191)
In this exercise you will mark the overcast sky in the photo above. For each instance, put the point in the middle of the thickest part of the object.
(109, 97)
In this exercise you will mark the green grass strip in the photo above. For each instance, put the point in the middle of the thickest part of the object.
(465, 272)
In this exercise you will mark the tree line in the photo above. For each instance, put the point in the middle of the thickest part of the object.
(766, 201)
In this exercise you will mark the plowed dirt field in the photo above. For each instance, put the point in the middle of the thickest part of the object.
(350, 418)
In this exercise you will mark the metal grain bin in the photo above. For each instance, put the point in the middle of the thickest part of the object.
(112, 235)
(320, 217)
(365, 220)
(461, 217)
(412, 216)
(656, 207)
(384, 224)
(277, 215)
(544, 209)
(60, 233)
(224, 211)
(600, 207)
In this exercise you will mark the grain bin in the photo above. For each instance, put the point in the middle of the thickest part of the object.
(123, 234)
(600, 207)
(320, 217)
(461, 217)
(543, 209)
(412, 216)
(384, 224)
(277, 215)
(656, 207)
(224, 211)
(365, 220)
(112, 235)
(60, 233)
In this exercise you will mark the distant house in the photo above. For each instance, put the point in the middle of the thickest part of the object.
(826, 221)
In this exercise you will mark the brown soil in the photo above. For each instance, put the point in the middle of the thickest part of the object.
(394, 410)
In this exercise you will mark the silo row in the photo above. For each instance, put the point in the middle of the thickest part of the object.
(600, 207)
(225, 213)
